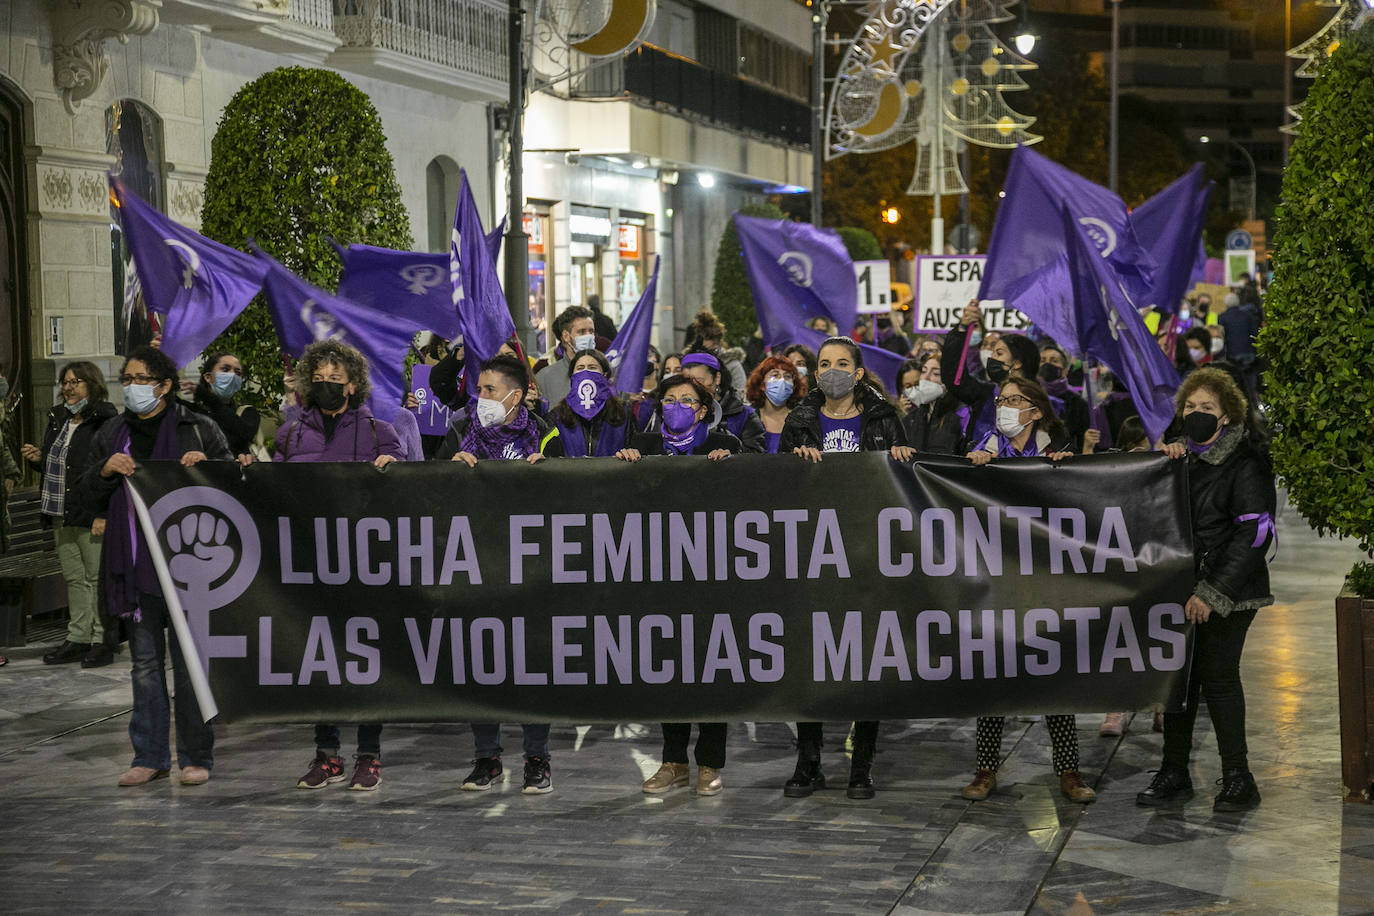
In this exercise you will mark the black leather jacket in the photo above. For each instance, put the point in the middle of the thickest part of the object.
(879, 429)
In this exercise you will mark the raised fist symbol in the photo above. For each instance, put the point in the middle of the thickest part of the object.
(200, 555)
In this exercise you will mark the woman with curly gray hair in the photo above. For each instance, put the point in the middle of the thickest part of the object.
(334, 424)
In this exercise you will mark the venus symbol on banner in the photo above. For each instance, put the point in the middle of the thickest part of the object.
(586, 393)
(798, 267)
(422, 277)
(322, 325)
(192, 260)
(1101, 234)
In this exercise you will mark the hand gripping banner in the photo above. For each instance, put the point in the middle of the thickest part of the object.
(679, 589)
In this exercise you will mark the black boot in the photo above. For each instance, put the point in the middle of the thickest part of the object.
(1171, 784)
(861, 773)
(807, 778)
(99, 656)
(67, 652)
(1238, 791)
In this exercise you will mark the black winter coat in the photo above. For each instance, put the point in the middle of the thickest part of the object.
(879, 427)
(1230, 480)
(75, 511)
(652, 443)
(239, 428)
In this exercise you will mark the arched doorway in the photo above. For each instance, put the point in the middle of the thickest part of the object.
(15, 352)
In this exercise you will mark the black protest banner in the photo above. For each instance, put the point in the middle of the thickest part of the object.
(678, 589)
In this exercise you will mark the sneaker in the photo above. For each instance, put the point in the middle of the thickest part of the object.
(485, 771)
(1113, 725)
(538, 776)
(1238, 792)
(1169, 785)
(324, 771)
(367, 773)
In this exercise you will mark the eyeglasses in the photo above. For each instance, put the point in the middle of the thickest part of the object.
(138, 380)
(685, 402)
(1013, 400)
(72, 382)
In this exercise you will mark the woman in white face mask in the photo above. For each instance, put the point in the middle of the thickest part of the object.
(1026, 426)
(932, 417)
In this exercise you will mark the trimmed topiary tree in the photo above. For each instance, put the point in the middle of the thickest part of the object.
(299, 158)
(731, 299)
(1319, 336)
(861, 244)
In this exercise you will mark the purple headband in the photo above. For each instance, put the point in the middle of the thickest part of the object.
(701, 359)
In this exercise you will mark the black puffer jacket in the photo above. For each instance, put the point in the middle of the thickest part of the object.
(879, 429)
(1228, 481)
(75, 510)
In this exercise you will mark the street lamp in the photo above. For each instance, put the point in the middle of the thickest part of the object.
(1250, 197)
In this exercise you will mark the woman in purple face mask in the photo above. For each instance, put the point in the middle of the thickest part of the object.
(592, 420)
(683, 409)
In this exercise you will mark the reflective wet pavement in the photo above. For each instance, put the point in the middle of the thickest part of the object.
(71, 841)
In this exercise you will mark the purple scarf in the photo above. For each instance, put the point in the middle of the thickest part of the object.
(684, 443)
(491, 442)
(128, 569)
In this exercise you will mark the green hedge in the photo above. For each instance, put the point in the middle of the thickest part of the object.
(1319, 334)
(299, 158)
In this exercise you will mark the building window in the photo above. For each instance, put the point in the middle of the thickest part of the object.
(442, 178)
(133, 136)
(779, 66)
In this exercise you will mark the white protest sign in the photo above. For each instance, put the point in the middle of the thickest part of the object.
(874, 279)
(944, 286)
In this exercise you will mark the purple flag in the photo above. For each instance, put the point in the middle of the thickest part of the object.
(494, 239)
(1109, 328)
(304, 314)
(882, 363)
(796, 273)
(1170, 226)
(629, 352)
(410, 284)
(196, 284)
(1027, 261)
(483, 317)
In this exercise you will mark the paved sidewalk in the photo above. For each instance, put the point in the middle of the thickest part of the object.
(73, 842)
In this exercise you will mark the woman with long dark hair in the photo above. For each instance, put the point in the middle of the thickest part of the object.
(847, 412)
(592, 420)
(934, 418)
(221, 379)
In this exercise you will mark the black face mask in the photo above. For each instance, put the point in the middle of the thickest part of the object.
(327, 396)
(1051, 373)
(997, 370)
(1199, 426)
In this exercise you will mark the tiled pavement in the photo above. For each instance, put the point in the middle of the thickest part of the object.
(71, 842)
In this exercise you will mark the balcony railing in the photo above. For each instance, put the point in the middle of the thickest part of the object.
(681, 85)
(317, 14)
(464, 35)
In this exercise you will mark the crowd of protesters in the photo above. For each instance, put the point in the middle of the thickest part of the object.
(970, 392)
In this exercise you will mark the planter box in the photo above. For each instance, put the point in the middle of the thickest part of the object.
(1355, 679)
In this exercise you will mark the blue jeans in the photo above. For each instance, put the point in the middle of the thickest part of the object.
(369, 739)
(148, 725)
(487, 737)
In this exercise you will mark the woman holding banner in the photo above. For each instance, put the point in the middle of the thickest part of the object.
(592, 420)
(1004, 355)
(153, 427)
(221, 378)
(731, 414)
(683, 403)
(1026, 427)
(1231, 489)
(774, 389)
(335, 425)
(846, 413)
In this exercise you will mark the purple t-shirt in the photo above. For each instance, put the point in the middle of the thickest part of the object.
(840, 435)
(770, 443)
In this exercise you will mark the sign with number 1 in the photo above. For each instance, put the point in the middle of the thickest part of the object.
(874, 279)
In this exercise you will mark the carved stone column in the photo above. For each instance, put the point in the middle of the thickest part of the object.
(79, 30)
